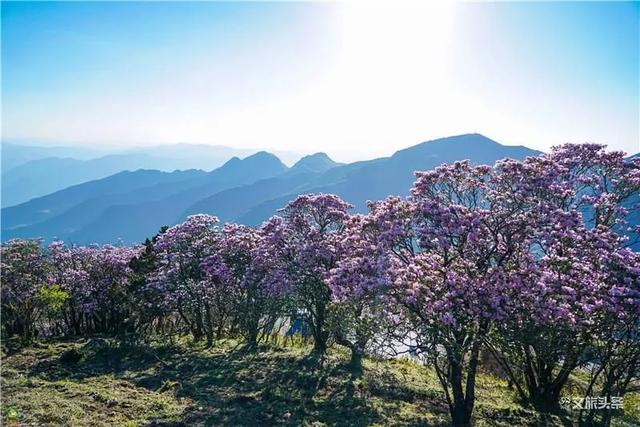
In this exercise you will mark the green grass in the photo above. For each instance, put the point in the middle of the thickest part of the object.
(97, 383)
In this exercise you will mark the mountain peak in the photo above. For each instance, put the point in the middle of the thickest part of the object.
(457, 143)
(318, 162)
(472, 146)
(262, 160)
(466, 138)
(231, 162)
(261, 155)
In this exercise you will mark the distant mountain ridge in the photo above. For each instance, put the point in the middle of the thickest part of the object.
(34, 178)
(243, 190)
(46, 207)
(26, 170)
(378, 178)
(141, 198)
(230, 203)
(16, 153)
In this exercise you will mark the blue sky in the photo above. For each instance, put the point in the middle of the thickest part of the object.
(354, 79)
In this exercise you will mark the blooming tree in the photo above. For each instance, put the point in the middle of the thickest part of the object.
(453, 246)
(96, 279)
(581, 278)
(240, 268)
(24, 272)
(306, 238)
(226, 275)
(180, 279)
(357, 288)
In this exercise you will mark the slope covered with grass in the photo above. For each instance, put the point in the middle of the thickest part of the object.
(95, 382)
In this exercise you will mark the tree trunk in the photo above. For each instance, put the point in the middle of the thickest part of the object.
(544, 388)
(355, 364)
(252, 341)
(317, 326)
(546, 399)
(319, 343)
(208, 327)
(220, 329)
(357, 353)
(252, 338)
(209, 338)
(460, 416)
(460, 413)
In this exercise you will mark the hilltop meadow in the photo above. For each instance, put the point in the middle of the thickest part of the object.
(97, 382)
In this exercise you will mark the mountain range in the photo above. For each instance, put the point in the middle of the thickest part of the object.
(132, 205)
(27, 170)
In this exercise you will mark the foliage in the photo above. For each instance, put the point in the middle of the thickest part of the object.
(307, 237)
(52, 298)
(24, 271)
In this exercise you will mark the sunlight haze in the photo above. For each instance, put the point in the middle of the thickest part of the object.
(355, 80)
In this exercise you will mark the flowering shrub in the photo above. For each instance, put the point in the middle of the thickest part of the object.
(244, 276)
(96, 280)
(452, 248)
(358, 290)
(180, 280)
(24, 272)
(580, 276)
(306, 237)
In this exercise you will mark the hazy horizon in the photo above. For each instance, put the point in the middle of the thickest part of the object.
(354, 80)
(105, 149)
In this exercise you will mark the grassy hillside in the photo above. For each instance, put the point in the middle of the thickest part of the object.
(95, 383)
